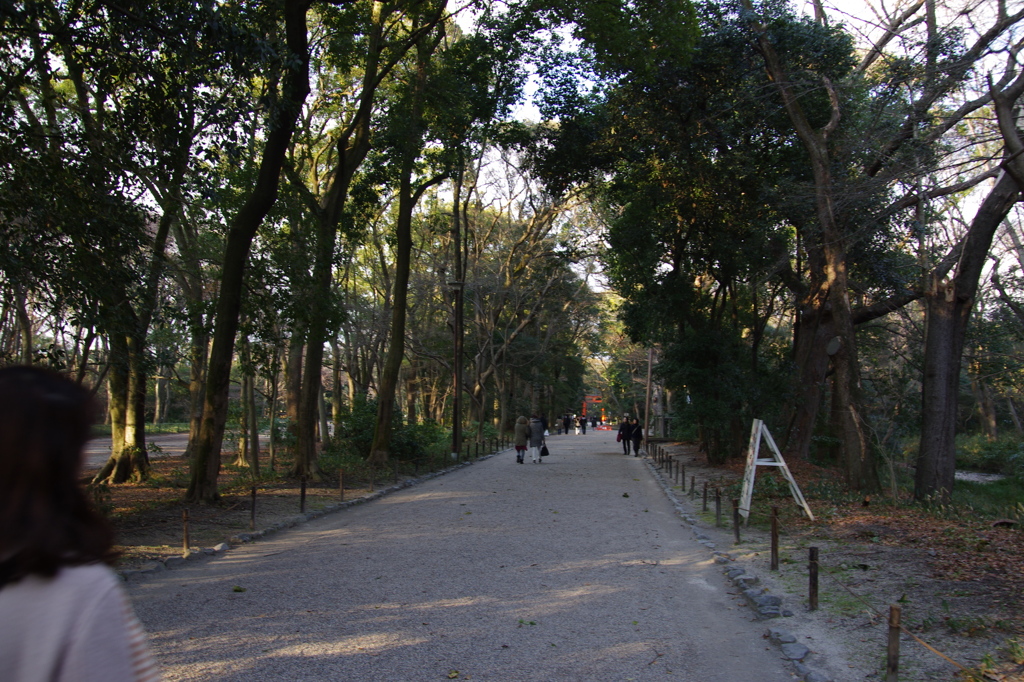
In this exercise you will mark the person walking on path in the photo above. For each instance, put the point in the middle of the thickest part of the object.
(63, 614)
(625, 434)
(566, 423)
(637, 435)
(583, 425)
(536, 438)
(522, 438)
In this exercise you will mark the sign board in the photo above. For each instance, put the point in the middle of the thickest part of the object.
(754, 460)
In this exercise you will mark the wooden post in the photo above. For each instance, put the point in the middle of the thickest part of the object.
(812, 568)
(705, 507)
(184, 538)
(775, 538)
(693, 484)
(373, 476)
(302, 496)
(341, 484)
(252, 509)
(892, 665)
(718, 507)
(394, 470)
(736, 520)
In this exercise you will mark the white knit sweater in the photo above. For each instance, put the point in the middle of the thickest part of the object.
(75, 627)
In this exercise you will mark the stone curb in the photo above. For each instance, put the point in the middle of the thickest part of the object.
(160, 565)
(764, 604)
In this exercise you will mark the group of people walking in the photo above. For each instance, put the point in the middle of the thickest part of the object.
(630, 433)
(577, 422)
(530, 435)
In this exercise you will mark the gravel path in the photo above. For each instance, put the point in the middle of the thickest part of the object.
(574, 569)
(97, 450)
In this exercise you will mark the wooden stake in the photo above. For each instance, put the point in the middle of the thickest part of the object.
(252, 509)
(341, 484)
(812, 569)
(705, 507)
(302, 496)
(892, 665)
(775, 538)
(718, 507)
(736, 520)
(184, 539)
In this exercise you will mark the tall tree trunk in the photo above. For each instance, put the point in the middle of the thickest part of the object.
(196, 380)
(325, 432)
(1011, 407)
(24, 325)
(242, 451)
(948, 309)
(135, 416)
(337, 397)
(254, 427)
(458, 309)
(206, 461)
(159, 396)
(986, 408)
(293, 382)
(117, 468)
(380, 450)
(272, 438)
(354, 149)
(858, 461)
(810, 356)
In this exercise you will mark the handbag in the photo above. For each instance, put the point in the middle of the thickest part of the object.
(618, 438)
(544, 451)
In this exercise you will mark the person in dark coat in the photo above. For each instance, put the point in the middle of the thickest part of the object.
(637, 435)
(583, 425)
(625, 434)
(566, 423)
(536, 438)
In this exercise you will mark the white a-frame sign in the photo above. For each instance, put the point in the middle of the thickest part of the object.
(754, 461)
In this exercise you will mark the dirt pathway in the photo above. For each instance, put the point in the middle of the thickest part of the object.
(575, 569)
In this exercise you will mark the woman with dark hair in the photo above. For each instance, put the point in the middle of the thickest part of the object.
(637, 435)
(63, 613)
(625, 434)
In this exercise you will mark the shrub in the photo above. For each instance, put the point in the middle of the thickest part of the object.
(354, 437)
(1004, 455)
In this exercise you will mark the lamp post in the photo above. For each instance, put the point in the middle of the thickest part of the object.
(457, 286)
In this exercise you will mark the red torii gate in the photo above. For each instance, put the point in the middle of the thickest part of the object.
(592, 400)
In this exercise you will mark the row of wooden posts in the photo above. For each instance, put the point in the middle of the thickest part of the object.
(677, 472)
